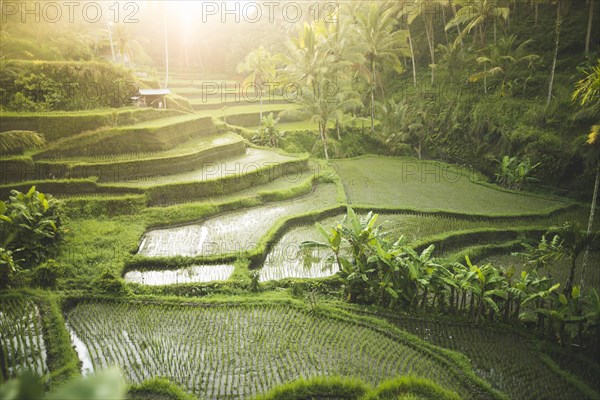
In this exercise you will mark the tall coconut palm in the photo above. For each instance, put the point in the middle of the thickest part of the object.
(499, 59)
(124, 42)
(405, 12)
(452, 58)
(260, 63)
(477, 16)
(341, 50)
(327, 104)
(427, 9)
(306, 59)
(375, 27)
(587, 94)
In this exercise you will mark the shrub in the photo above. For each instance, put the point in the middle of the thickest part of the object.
(515, 173)
(31, 222)
(109, 282)
(8, 266)
(46, 274)
(67, 85)
(254, 281)
(158, 388)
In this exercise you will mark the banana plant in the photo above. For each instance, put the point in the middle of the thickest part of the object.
(31, 221)
(420, 268)
(359, 237)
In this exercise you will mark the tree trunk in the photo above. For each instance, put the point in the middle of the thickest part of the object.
(482, 35)
(485, 78)
(556, 43)
(3, 365)
(337, 127)
(494, 32)
(569, 285)
(430, 40)
(412, 57)
(373, 96)
(260, 107)
(324, 140)
(444, 21)
(590, 221)
(166, 54)
(589, 28)
(536, 9)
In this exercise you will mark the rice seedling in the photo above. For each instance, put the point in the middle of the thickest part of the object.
(558, 271)
(22, 344)
(191, 146)
(194, 273)
(238, 351)
(427, 186)
(238, 165)
(500, 356)
(285, 260)
(234, 232)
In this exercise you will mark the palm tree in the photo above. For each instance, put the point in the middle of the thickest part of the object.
(306, 59)
(380, 43)
(587, 92)
(306, 62)
(261, 65)
(12, 142)
(327, 104)
(403, 15)
(502, 57)
(393, 117)
(342, 52)
(572, 241)
(476, 16)
(424, 8)
(452, 58)
(124, 42)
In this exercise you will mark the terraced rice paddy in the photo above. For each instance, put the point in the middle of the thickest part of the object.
(22, 344)
(558, 271)
(233, 232)
(249, 162)
(501, 357)
(286, 260)
(195, 273)
(409, 183)
(247, 108)
(189, 147)
(234, 351)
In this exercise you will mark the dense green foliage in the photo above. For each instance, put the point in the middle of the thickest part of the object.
(374, 269)
(64, 85)
(30, 226)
